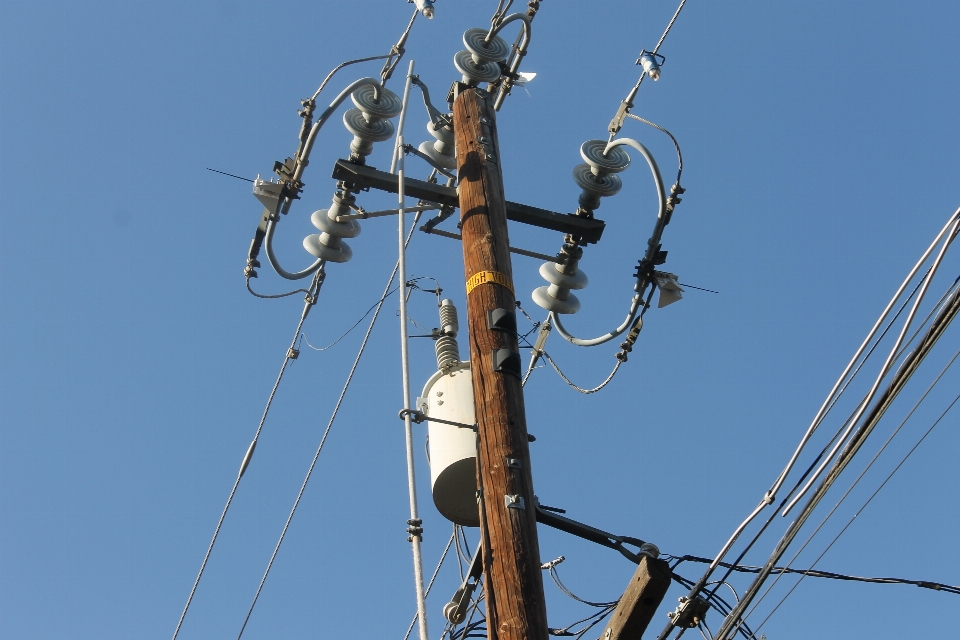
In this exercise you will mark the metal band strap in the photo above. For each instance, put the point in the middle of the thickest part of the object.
(483, 277)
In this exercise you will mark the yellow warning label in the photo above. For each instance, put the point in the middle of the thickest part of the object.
(483, 277)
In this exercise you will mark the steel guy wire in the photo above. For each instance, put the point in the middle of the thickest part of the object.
(949, 589)
(786, 568)
(309, 300)
(443, 556)
(617, 122)
(326, 432)
(856, 441)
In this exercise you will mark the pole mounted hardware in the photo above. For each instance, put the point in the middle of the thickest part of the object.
(362, 177)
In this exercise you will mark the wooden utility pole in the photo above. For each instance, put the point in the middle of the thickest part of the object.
(511, 554)
(639, 601)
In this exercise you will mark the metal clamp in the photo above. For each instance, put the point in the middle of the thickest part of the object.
(419, 417)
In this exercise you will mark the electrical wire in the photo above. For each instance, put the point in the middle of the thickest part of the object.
(309, 300)
(278, 295)
(928, 585)
(676, 146)
(355, 324)
(323, 439)
(859, 437)
(553, 364)
(832, 398)
(817, 573)
(850, 489)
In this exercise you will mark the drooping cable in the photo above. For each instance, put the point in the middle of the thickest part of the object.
(355, 324)
(679, 159)
(309, 300)
(276, 295)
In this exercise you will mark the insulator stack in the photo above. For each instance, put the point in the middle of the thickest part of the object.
(369, 122)
(556, 297)
(443, 150)
(478, 62)
(597, 177)
(448, 351)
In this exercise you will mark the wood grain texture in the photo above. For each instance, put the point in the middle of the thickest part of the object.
(511, 557)
(639, 601)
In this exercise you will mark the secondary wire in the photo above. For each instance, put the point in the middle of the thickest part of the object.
(852, 486)
(276, 295)
(937, 586)
(355, 324)
(828, 408)
(309, 300)
(323, 439)
(817, 573)
(858, 438)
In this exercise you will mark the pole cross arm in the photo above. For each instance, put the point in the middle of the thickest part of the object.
(592, 534)
(589, 229)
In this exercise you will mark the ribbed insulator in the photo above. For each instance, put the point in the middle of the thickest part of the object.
(448, 352)
(449, 323)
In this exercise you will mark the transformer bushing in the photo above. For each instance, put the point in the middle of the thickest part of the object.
(478, 62)
(369, 122)
(597, 178)
(448, 351)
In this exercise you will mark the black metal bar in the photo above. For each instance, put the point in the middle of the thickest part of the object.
(589, 229)
(590, 533)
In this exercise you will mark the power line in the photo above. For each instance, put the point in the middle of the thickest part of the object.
(309, 300)
(323, 439)
(817, 573)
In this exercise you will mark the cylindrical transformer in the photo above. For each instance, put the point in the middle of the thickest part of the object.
(448, 395)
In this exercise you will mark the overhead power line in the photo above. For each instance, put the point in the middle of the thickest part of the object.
(817, 573)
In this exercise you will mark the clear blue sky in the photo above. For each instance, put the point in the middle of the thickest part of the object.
(820, 144)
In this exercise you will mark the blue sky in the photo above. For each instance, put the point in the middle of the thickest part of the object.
(819, 142)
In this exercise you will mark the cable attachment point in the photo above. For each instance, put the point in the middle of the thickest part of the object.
(414, 529)
(478, 62)
(293, 354)
(550, 565)
(651, 63)
(689, 613)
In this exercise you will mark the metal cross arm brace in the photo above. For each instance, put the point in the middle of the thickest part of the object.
(590, 533)
(588, 229)
(419, 417)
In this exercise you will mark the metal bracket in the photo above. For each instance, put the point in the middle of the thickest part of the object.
(590, 533)
(419, 417)
(589, 229)
(689, 613)
(502, 320)
(514, 501)
(507, 361)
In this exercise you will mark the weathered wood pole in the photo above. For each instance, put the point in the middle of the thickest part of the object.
(640, 600)
(511, 554)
